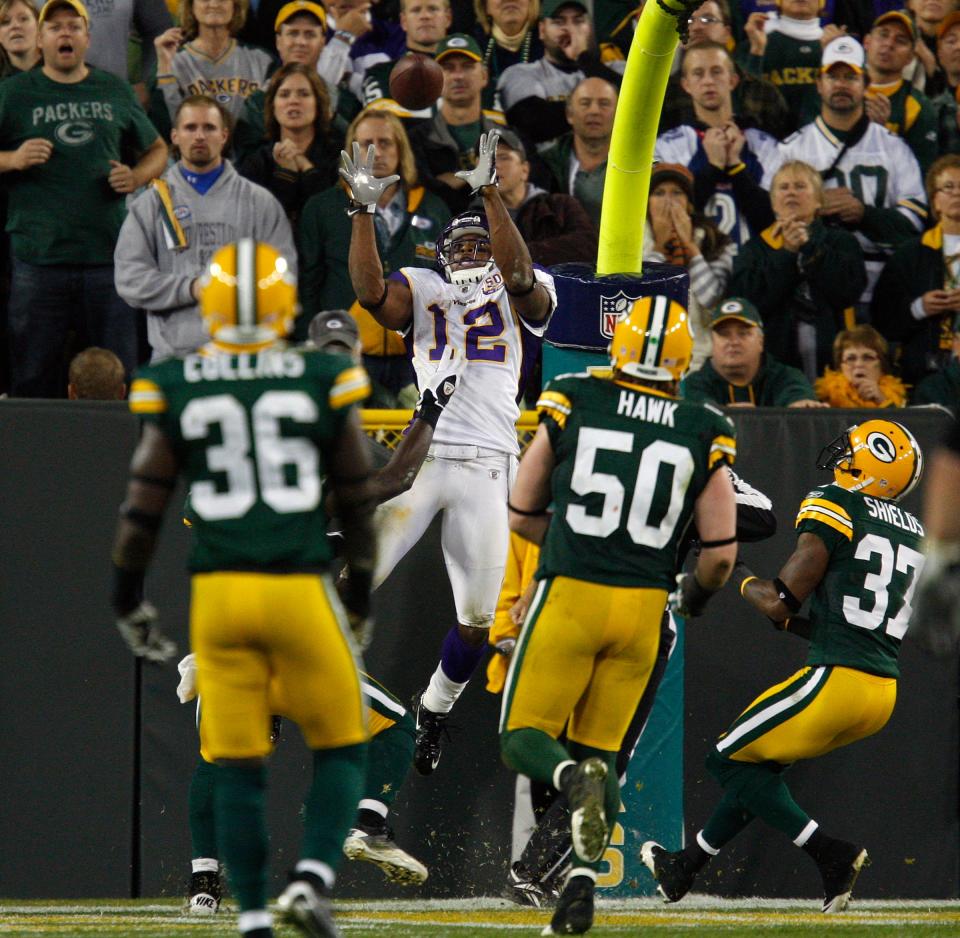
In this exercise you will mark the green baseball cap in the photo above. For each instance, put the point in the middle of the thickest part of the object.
(459, 44)
(550, 7)
(736, 308)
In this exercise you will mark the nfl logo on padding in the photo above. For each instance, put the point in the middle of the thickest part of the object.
(612, 310)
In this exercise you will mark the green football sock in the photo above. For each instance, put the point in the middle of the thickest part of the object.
(203, 827)
(339, 776)
(761, 791)
(532, 753)
(728, 819)
(242, 831)
(388, 761)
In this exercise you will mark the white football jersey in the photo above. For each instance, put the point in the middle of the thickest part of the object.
(495, 347)
(880, 169)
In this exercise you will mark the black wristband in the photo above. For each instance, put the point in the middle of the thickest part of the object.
(373, 307)
(786, 597)
(522, 293)
(723, 543)
(528, 514)
(127, 591)
(428, 410)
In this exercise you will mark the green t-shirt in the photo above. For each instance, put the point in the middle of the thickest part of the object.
(64, 211)
(861, 608)
(467, 137)
(630, 463)
(252, 433)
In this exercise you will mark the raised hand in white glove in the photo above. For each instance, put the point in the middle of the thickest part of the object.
(144, 637)
(485, 172)
(365, 188)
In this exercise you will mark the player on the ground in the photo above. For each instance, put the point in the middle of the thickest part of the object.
(625, 465)
(857, 555)
(255, 428)
(489, 302)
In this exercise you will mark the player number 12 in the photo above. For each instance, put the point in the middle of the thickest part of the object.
(485, 323)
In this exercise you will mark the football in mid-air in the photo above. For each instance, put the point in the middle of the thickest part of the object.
(416, 81)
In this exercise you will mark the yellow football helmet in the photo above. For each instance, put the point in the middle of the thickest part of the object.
(248, 296)
(653, 341)
(876, 457)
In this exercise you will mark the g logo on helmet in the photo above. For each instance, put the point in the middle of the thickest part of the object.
(881, 447)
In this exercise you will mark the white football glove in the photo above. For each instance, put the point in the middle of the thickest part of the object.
(365, 188)
(144, 637)
(187, 688)
(438, 390)
(485, 172)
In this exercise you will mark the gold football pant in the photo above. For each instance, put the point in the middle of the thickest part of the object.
(815, 711)
(273, 643)
(585, 655)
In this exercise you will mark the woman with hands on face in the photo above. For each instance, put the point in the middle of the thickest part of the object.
(803, 276)
(677, 234)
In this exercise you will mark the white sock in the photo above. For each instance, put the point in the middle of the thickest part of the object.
(318, 868)
(806, 833)
(253, 919)
(368, 804)
(205, 865)
(558, 771)
(704, 846)
(442, 693)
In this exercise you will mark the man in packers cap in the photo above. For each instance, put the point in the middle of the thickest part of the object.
(74, 143)
(843, 144)
(739, 373)
(447, 142)
(892, 102)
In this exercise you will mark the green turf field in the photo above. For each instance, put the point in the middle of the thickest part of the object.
(695, 917)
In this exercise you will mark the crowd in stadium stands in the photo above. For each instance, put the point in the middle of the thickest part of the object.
(809, 173)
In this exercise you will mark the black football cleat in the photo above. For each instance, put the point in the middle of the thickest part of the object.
(839, 871)
(672, 872)
(431, 728)
(206, 891)
(574, 912)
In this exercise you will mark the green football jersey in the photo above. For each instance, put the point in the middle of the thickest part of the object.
(630, 463)
(251, 433)
(861, 608)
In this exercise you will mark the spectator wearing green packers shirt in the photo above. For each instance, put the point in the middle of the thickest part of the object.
(73, 143)
(892, 102)
(786, 49)
(739, 373)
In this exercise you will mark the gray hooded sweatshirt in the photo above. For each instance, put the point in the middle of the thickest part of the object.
(152, 273)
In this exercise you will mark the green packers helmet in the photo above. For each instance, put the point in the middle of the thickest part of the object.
(248, 297)
(876, 457)
(654, 341)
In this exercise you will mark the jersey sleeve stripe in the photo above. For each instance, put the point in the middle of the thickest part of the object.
(824, 517)
(722, 449)
(349, 387)
(830, 506)
(555, 405)
(146, 397)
